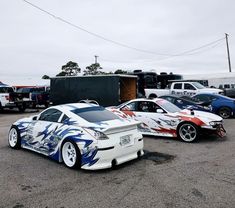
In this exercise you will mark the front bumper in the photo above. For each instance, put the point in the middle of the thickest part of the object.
(216, 129)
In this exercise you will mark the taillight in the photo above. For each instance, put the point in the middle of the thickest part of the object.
(7, 97)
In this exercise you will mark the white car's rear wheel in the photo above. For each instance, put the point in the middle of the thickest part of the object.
(188, 132)
(14, 138)
(70, 154)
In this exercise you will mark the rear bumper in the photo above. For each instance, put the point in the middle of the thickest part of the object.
(116, 154)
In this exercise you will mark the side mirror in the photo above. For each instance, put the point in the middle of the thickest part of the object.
(159, 110)
(35, 118)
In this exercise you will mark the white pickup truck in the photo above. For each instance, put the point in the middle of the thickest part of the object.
(181, 88)
(8, 99)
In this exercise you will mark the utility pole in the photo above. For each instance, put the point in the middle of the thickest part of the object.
(229, 63)
(96, 59)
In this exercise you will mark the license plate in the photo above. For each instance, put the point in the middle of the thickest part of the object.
(125, 140)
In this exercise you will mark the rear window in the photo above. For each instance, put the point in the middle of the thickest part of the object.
(6, 89)
(95, 114)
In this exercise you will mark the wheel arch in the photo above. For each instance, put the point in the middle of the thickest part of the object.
(70, 139)
(198, 127)
(78, 151)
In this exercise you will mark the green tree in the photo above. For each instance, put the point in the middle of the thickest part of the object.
(45, 77)
(93, 69)
(69, 69)
(120, 71)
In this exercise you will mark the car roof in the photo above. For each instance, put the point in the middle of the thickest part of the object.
(71, 106)
(146, 99)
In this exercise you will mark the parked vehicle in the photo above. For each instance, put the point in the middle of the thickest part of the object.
(229, 89)
(39, 95)
(162, 118)
(80, 135)
(221, 105)
(8, 99)
(165, 79)
(107, 90)
(145, 80)
(184, 103)
(181, 88)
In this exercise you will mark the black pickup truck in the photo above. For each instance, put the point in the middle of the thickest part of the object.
(37, 95)
(9, 99)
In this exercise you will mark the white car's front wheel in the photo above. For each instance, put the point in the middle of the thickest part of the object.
(70, 154)
(188, 132)
(14, 138)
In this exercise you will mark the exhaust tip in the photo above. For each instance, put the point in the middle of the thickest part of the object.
(139, 154)
(114, 163)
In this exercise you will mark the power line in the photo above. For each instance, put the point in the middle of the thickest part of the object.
(195, 50)
(94, 34)
(118, 43)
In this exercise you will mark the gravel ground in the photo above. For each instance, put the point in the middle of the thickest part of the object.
(201, 175)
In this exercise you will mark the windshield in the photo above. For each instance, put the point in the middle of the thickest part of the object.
(167, 106)
(198, 85)
(95, 114)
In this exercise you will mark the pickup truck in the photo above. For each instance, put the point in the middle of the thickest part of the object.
(181, 88)
(229, 89)
(38, 95)
(8, 99)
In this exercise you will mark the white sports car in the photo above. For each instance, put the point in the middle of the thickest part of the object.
(162, 118)
(80, 135)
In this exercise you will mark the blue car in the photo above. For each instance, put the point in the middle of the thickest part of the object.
(185, 102)
(221, 105)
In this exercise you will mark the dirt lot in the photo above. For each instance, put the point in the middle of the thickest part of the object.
(201, 175)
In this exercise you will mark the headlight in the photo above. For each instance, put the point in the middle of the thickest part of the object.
(212, 123)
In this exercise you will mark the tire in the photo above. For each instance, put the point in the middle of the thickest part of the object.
(152, 96)
(188, 132)
(71, 154)
(46, 105)
(225, 112)
(21, 108)
(14, 139)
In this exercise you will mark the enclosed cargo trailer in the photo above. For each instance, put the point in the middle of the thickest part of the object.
(107, 90)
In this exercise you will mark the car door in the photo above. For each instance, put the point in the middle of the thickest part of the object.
(189, 89)
(153, 117)
(42, 130)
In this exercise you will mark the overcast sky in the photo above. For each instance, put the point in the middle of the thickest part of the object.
(33, 43)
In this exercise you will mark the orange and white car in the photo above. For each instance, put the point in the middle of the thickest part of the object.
(162, 118)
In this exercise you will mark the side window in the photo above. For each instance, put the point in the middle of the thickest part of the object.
(188, 86)
(152, 107)
(64, 118)
(178, 86)
(51, 115)
(143, 106)
(202, 98)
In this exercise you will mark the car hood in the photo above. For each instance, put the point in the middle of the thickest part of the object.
(205, 117)
(211, 90)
